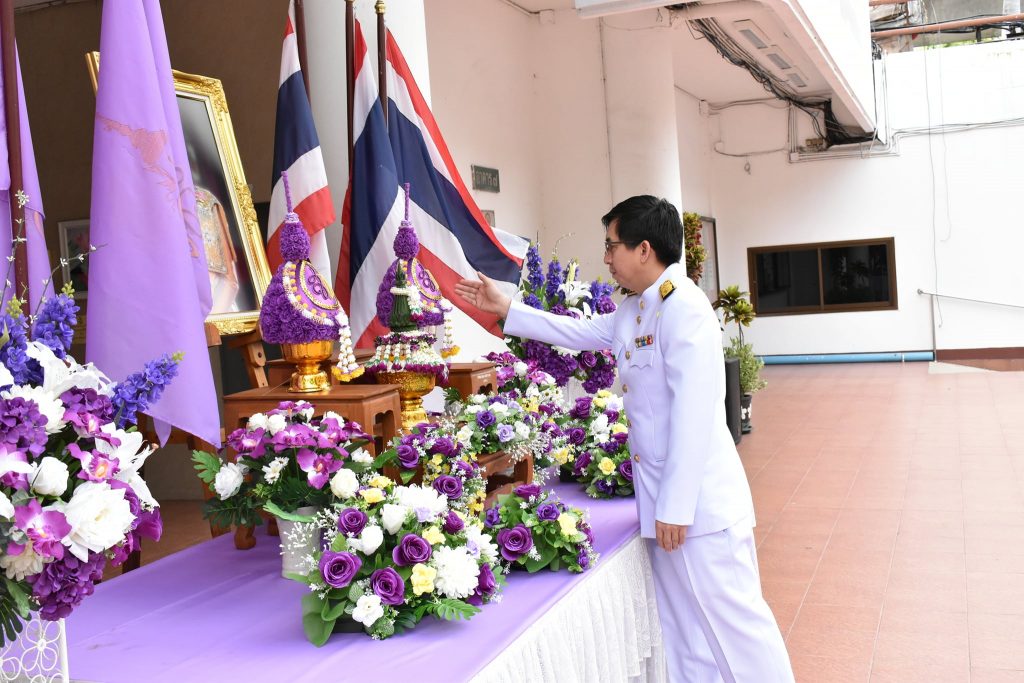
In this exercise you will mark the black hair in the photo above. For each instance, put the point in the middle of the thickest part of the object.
(645, 217)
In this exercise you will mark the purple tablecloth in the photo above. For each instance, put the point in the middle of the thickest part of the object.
(213, 613)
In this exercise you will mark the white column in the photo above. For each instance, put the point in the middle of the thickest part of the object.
(325, 52)
(640, 101)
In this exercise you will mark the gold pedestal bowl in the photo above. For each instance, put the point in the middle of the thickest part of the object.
(308, 377)
(412, 387)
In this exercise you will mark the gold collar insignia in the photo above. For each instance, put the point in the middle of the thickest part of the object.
(666, 289)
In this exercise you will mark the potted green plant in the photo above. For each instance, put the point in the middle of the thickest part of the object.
(737, 309)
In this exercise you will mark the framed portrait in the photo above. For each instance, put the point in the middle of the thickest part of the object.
(232, 239)
(74, 242)
(709, 278)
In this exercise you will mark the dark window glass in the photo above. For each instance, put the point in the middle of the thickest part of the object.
(856, 275)
(820, 278)
(787, 279)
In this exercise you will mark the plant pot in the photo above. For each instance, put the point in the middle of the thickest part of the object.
(745, 409)
(298, 541)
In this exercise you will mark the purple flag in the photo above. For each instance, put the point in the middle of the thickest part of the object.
(149, 290)
(39, 281)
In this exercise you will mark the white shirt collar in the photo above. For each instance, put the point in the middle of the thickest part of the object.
(651, 295)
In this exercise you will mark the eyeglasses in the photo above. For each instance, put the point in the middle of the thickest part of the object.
(609, 246)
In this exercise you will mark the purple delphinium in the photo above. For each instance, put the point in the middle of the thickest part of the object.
(22, 426)
(556, 276)
(25, 370)
(532, 301)
(140, 389)
(534, 268)
(55, 325)
(64, 583)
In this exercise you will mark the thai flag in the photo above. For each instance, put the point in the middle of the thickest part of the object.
(297, 151)
(455, 239)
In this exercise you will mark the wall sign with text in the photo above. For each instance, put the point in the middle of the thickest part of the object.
(486, 179)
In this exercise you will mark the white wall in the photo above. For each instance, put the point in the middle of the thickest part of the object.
(970, 249)
(694, 134)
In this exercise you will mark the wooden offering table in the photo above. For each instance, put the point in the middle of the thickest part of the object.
(502, 475)
(472, 378)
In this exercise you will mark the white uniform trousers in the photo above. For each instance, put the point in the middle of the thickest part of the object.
(716, 625)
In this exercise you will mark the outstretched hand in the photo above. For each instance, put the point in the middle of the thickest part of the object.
(485, 295)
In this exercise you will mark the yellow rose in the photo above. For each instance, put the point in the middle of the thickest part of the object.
(561, 456)
(381, 482)
(606, 466)
(422, 579)
(534, 406)
(600, 403)
(604, 393)
(433, 535)
(567, 522)
(437, 459)
(372, 495)
(619, 428)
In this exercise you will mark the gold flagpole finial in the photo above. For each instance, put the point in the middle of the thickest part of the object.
(379, 7)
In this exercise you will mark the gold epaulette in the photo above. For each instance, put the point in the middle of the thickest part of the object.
(666, 288)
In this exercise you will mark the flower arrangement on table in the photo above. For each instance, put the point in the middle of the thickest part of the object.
(499, 423)
(71, 496)
(598, 431)
(285, 460)
(393, 555)
(432, 453)
(562, 293)
(534, 530)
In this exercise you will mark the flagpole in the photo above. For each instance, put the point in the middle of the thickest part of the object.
(350, 76)
(300, 42)
(382, 64)
(13, 116)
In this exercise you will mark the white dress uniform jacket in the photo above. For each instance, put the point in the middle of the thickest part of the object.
(668, 345)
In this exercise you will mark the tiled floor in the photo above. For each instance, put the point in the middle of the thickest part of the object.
(890, 508)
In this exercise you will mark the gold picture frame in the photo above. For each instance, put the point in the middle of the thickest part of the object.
(223, 201)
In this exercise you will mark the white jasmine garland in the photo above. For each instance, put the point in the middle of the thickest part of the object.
(344, 483)
(49, 477)
(229, 479)
(272, 472)
(368, 610)
(457, 571)
(99, 517)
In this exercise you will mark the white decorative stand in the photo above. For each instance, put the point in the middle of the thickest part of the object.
(39, 655)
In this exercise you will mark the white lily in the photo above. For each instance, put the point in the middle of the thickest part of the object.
(59, 375)
(131, 453)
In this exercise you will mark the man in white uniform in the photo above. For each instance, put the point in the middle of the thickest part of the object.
(692, 495)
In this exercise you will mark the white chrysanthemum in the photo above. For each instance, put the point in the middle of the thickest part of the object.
(599, 427)
(362, 456)
(276, 423)
(487, 549)
(457, 571)
(257, 421)
(99, 517)
(229, 479)
(272, 472)
(18, 567)
(50, 407)
(422, 498)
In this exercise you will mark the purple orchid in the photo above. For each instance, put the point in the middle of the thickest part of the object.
(318, 467)
(46, 528)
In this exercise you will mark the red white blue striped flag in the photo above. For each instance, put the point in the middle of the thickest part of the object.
(297, 151)
(455, 239)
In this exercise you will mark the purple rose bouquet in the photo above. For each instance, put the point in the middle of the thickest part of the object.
(392, 554)
(71, 496)
(283, 460)
(597, 431)
(433, 455)
(534, 530)
(499, 423)
(561, 292)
